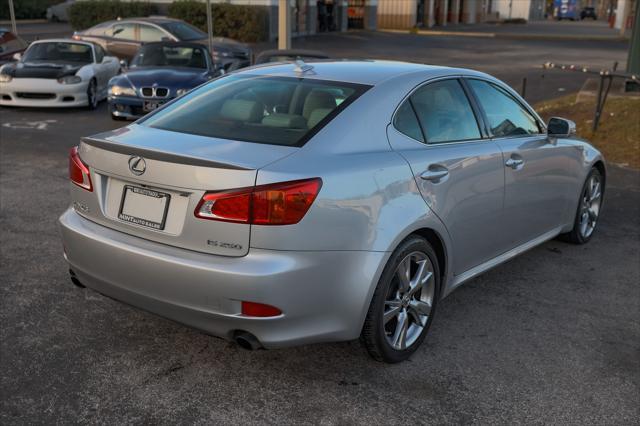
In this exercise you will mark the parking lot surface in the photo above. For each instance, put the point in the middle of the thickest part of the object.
(551, 337)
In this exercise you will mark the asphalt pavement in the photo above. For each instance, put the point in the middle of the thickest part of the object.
(553, 336)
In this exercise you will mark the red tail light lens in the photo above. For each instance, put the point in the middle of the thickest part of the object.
(283, 203)
(78, 171)
(252, 309)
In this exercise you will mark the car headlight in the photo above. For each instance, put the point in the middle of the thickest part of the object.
(121, 91)
(70, 79)
(181, 92)
(5, 78)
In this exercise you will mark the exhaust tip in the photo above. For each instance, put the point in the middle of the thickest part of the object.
(75, 279)
(247, 341)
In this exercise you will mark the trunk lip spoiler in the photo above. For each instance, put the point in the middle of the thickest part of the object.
(153, 154)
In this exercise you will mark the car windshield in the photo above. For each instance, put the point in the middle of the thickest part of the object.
(157, 55)
(183, 31)
(59, 52)
(262, 109)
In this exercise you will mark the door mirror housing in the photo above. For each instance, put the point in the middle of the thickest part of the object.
(124, 64)
(17, 56)
(561, 127)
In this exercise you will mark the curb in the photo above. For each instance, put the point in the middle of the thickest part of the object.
(512, 36)
(25, 21)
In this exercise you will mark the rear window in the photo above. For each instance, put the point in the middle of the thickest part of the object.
(272, 110)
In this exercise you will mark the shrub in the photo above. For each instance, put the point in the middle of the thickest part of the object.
(26, 9)
(85, 14)
(244, 23)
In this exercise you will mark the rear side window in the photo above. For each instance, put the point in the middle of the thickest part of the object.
(506, 116)
(123, 31)
(444, 112)
(407, 122)
(272, 110)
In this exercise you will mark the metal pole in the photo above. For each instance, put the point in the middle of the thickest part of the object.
(523, 92)
(596, 118)
(210, 26)
(633, 60)
(284, 25)
(12, 14)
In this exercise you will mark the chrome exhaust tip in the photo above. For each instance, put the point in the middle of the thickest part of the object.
(247, 341)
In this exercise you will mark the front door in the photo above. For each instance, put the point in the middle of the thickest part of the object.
(537, 181)
(459, 173)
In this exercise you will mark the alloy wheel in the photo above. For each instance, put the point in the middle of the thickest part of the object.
(590, 206)
(409, 301)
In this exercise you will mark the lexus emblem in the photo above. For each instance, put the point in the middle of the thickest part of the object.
(137, 165)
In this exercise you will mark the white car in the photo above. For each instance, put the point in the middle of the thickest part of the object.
(57, 73)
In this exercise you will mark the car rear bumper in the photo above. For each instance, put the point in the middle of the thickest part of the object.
(323, 295)
(62, 95)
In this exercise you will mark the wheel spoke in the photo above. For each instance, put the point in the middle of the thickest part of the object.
(420, 307)
(395, 309)
(595, 192)
(400, 335)
(404, 271)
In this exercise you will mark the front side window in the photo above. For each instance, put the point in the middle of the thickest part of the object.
(505, 116)
(123, 31)
(183, 31)
(160, 55)
(149, 33)
(59, 51)
(261, 109)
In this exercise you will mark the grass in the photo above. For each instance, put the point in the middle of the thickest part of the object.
(618, 134)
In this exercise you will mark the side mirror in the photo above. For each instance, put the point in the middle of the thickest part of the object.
(124, 64)
(17, 56)
(560, 127)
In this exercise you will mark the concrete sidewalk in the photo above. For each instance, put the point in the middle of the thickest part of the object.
(534, 30)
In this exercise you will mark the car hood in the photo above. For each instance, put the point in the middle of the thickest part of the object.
(173, 77)
(50, 70)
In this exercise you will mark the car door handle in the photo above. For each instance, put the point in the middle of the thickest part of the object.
(435, 174)
(514, 163)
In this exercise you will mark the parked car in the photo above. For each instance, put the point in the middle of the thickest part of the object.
(123, 38)
(58, 73)
(291, 204)
(10, 44)
(588, 12)
(59, 12)
(159, 73)
(284, 55)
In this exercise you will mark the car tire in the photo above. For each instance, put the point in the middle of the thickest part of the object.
(92, 95)
(116, 118)
(589, 208)
(398, 319)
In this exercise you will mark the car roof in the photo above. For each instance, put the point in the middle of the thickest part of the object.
(62, 40)
(368, 72)
(150, 19)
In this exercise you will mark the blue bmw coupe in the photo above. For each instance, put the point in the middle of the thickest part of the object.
(158, 73)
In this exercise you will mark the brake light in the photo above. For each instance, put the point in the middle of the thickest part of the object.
(252, 309)
(283, 203)
(78, 171)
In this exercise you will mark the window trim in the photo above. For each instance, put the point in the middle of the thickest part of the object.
(542, 128)
(476, 113)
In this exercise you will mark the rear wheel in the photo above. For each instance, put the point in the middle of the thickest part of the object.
(589, 208)
(92, 95)
(404, 302)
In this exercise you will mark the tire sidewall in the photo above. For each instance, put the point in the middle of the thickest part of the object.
(576, 225)
(92, 105)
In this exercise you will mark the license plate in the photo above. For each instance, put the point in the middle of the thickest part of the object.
(151, 105)
(144, 207)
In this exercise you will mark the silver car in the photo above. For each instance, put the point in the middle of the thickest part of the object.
(295, 203)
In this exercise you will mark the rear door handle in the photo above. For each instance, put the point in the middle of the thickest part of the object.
(514, 163)
(435, 173)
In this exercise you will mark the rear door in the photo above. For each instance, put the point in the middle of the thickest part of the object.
(459, 173)
(536, 167)
(122, 40)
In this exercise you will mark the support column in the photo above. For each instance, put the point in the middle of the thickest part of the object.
(370, 14)
(469, 11)
(443, 12)
(429, 13)
(454, 13)
(284, 25)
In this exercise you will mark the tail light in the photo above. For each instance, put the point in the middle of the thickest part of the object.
(78, 171)
(253, 309)
(283, 203)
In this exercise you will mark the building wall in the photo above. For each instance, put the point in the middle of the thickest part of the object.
(398, 14)
(512, 9)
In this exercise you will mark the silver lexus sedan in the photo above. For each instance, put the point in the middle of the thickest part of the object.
(293, 203)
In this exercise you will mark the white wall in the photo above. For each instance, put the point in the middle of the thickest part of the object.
(519, 8)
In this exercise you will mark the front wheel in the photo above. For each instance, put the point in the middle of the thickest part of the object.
(403, 303)
(589, 208)
(92, 95)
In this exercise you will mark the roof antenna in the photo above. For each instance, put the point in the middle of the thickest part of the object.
(301, 67)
